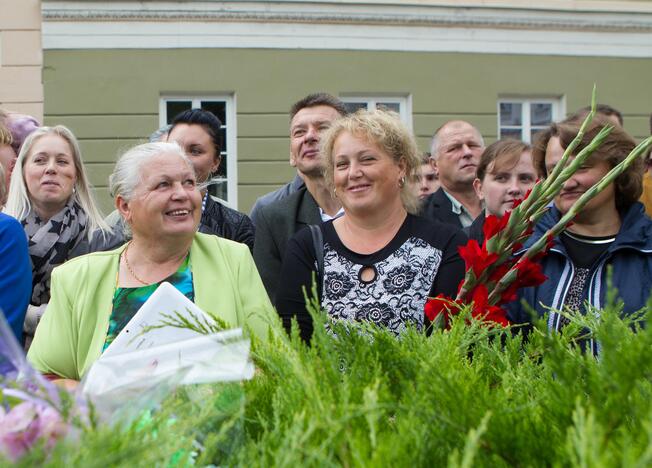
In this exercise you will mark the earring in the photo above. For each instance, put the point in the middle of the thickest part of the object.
(401, 182)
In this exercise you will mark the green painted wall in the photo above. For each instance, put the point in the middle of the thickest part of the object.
(110, 98)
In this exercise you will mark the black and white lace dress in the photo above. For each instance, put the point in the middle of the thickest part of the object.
(420, 261)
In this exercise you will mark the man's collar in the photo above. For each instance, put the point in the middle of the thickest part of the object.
(457, 207)
(326, 217)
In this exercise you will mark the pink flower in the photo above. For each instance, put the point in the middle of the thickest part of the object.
(27, 424)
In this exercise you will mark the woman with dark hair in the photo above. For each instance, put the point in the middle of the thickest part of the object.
(198, 132)
(612, 230)
(504, 175)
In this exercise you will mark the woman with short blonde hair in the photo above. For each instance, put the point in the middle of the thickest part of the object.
(378, 262)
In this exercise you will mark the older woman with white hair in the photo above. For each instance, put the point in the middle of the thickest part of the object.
(95, 296)
(51, 196)
(378, 262)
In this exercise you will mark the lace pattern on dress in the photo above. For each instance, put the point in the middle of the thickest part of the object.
(395, 297)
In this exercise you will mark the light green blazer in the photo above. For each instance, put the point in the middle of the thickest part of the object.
(73, 330)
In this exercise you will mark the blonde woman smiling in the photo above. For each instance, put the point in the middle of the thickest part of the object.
(380, 261)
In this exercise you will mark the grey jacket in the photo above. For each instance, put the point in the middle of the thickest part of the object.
(272, 197)
(277, 223)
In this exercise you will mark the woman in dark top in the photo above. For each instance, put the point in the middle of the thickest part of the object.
(505, 174)
(198, 132)
(380, 261)
(611, 230)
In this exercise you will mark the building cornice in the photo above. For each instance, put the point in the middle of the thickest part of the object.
(424, 14)
(425, 26)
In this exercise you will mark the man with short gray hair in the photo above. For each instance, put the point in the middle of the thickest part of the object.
(456, 149)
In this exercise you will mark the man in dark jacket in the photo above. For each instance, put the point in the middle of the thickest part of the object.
(456, 149)
(277, 222)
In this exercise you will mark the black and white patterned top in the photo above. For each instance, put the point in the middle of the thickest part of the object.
(420, 261)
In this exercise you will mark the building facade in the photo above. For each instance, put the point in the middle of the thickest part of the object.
(116, 71)
(21, 57)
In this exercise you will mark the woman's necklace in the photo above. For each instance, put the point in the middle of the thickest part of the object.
(133, 273)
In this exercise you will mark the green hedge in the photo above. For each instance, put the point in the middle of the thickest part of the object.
(469, 396)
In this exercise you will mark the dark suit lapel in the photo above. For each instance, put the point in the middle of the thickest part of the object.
(440, 208)
(308, 211)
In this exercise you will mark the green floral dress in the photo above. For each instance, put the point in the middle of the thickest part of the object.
(127, 301)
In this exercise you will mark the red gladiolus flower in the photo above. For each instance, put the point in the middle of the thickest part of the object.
(493, 224)
(509, 293)
(529, 273)
(497, 315)
(500, 271)
(518, 201)
(479, 296)
(476, 258)
(482, 309)
(436, 306)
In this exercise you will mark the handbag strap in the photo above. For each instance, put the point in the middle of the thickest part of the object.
(318, 244)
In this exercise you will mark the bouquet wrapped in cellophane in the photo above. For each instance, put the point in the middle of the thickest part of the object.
(493, 272)
(177, 359)
(33, 411)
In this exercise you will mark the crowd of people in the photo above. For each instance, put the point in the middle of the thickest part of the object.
(374, 221)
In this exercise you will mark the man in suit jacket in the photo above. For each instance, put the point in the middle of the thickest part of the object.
(456, 149)
(277, 222)
(278, 194)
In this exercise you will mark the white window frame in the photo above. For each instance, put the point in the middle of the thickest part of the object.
(404, 103)
(558, 112)
(231, 154)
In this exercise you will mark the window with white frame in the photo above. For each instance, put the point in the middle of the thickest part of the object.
(399, 104)
(522, 118)
(224, 183)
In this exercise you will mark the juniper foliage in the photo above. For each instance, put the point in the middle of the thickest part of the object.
(469, 396)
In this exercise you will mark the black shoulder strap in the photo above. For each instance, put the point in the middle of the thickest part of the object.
(318, 244)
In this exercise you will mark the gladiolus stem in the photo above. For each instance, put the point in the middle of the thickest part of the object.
(581, 202)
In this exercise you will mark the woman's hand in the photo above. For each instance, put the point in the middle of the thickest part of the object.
(67, 384)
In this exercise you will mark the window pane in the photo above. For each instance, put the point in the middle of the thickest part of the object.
(223, 138)
(176, 107)
(534, 131)
(392, 106)
(216, 107)
(218, 188)
(540, 113)
(354, 106)
(510, 133)
(510, 113)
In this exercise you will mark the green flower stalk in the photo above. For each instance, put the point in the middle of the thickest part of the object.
(492, 265)
(540, 245)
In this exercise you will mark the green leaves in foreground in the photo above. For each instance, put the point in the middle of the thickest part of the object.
(470, 396)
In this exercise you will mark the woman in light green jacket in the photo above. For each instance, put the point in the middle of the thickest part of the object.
(94, 296)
